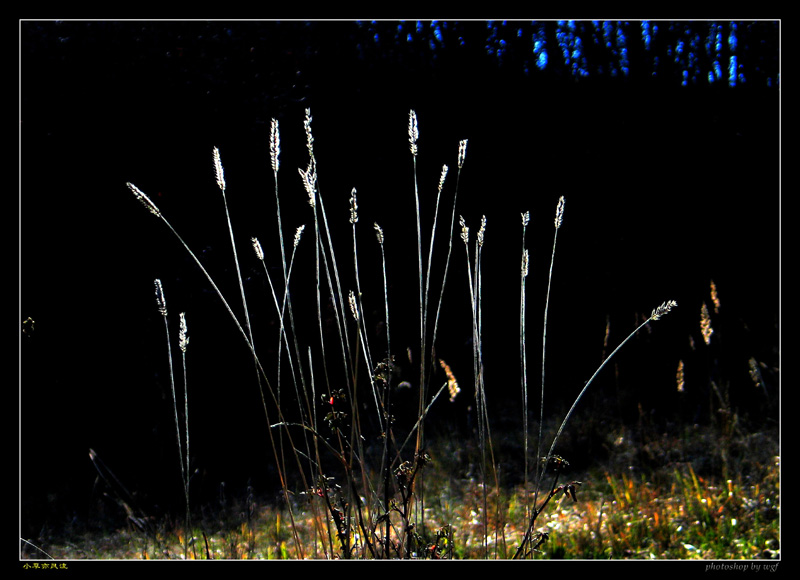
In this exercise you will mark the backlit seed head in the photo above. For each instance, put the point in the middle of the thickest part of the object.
(413, 132)
(297, 235)
(160, 300)
(309, 177)
(353, 207)
(482, 231)
(464, 229)
(714, 297)
(378, 233)
(218, 172)
(462, 152)
(309, 137)
(559, 212)
(526, 217)
(274, 145)
(144, 199)
(258, 249)
(452, 383)
(183, 335)
(663, 309)
(705, 324)
(442, 177)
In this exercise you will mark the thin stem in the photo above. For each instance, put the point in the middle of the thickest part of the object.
(523, 353)
(558, 221)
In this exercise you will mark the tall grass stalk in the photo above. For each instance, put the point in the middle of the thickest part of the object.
(220, 175)
(274, 156)
(462, 153)
(442, 178)
(413, 137)
(557, 222)
(523, 356)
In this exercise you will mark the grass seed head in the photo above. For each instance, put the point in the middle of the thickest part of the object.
(160, 300)
(705, 324)
(413, 132)
(258, 249)
(144, 199)
(274, 145)
(218, 172)
(482, 231)
(452, 383)
(663, 309)
(183, 335)
(462, 152)
(714, 297)
(297, 234)
(679, 377)
(559, 212)
(309, 136)
(464, 229)
(353, 207)
(309, 177)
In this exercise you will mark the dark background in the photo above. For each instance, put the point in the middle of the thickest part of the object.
(671, 181)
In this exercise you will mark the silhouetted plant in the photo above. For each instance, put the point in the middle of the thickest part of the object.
(366, 509)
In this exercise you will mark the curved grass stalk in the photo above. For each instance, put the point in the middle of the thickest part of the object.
(656, 315)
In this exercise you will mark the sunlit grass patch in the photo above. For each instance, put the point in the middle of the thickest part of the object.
(616, 516)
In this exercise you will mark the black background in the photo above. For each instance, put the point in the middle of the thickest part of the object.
(667, 188)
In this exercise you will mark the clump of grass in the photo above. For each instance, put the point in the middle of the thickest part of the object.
(372, 502)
